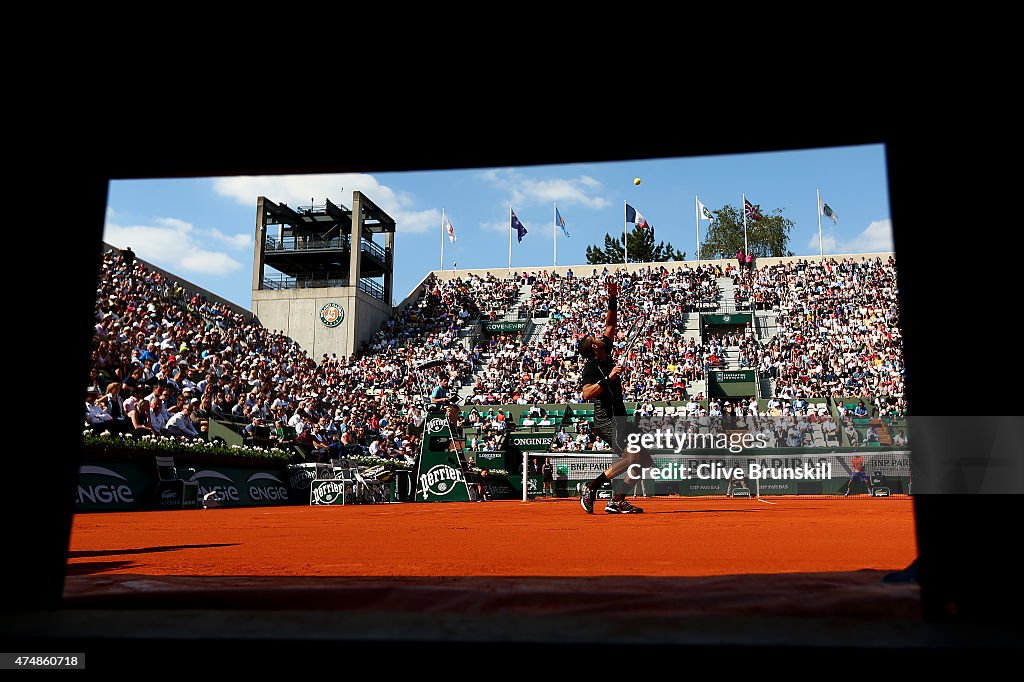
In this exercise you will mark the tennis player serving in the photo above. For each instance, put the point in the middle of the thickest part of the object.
(603, 386)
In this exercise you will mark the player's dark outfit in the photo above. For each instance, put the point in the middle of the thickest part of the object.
(609, 422)
(609, 409)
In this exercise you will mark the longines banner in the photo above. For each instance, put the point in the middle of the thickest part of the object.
(533, 442)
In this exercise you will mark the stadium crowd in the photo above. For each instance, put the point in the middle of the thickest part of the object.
(838, 331)
(165, 361)
(653, 305)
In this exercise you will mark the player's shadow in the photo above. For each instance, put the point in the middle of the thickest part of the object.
(142, 550)
(90, 567)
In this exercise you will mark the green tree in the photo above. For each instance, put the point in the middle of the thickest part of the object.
(766, 237)
(642, 249)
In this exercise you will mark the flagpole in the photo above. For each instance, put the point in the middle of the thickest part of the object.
(821, 248)
(554, 229)
(744, 224)
(510, 237)
(625, 247)
(696, 212)
(442, 238)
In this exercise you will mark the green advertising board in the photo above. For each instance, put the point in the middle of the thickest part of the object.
(723, 383)
(735, 376)
(490, 460)
(132, 485)
(505, 326)
(534, 485)
(115, 486)
(537, 441)
(242, 487)
(439, 476)
(734, 318)
(501, 488)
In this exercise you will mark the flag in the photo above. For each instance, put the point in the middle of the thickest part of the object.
(633, 216)
(705, 214)
(517, 226)
(449, 229)
(751, 211)
(827, 211)
(561, 222)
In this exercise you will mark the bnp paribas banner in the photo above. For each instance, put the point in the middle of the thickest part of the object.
(439, 475)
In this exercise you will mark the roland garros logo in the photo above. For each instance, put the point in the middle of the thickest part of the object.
(332, 315)
(440, 480)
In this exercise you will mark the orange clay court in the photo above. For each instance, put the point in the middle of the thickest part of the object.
(675, 537)
(458, 569)
(798, 557)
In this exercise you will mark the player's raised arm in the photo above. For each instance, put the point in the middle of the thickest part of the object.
(611, 318)
(591, 391)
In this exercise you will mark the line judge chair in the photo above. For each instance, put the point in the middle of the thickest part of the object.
(174, 489)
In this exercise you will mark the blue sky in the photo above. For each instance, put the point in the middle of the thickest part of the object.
(202, 228)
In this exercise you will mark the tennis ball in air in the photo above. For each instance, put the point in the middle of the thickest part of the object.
(636, 181)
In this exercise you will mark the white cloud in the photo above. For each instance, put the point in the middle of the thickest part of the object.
(298, 190)
(527, 191)
(211, 262)
(874, 238)
(173, 244)
(235, 241)
(419, 221)
(877, 237)
(175, 224)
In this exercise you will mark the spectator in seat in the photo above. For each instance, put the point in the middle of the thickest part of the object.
(158, 417)
(95, 414)
(180, 424)
(872, 435)
(112, 404)
(134, 399)
(200, 421)
(284, 433)
(139, 417)
(256, 432)
(852, 435)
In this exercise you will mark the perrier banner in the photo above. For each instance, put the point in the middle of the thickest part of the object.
(439, 476)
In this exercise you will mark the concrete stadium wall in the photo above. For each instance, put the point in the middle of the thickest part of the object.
(296, 313)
